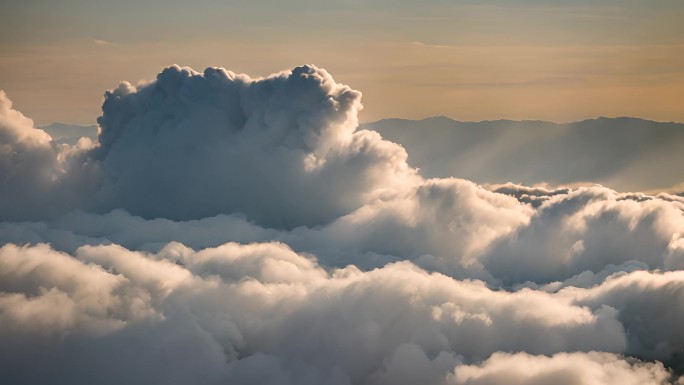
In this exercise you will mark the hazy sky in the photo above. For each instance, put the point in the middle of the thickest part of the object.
(471, 60)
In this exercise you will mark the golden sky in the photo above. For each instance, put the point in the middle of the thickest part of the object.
(470, 60)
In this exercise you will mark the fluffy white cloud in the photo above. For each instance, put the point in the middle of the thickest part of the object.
(284, 150)
(39, 178)
(560, 369)
(648, 306)
(587, 230)
(453, 226)
(262, 305)
(229, 229)
(27, 164)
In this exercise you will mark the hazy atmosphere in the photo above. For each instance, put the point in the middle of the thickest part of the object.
(342, 193)
(471, 60)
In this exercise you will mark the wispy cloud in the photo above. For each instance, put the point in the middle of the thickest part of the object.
(101, 42)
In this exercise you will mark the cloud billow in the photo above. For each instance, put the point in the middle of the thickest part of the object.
(225, 229)
(283, 150)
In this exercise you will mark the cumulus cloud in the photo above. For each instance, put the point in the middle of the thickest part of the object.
(262, 305)
(284, 150)
(39, 178)
(451, 226)
(27, 163)
(587, 230)
(562, 368)
(225, 229)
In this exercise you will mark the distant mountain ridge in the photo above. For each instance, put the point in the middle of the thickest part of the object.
(69, 133)
(629, 154)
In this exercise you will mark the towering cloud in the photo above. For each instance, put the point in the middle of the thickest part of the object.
(225, 229)
(284, 150)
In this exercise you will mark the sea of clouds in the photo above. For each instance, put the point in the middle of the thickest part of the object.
(225, 229)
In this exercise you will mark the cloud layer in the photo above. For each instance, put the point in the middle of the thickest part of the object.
(237, 309)
(225, 229)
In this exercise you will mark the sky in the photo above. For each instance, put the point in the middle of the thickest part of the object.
(470, 60)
